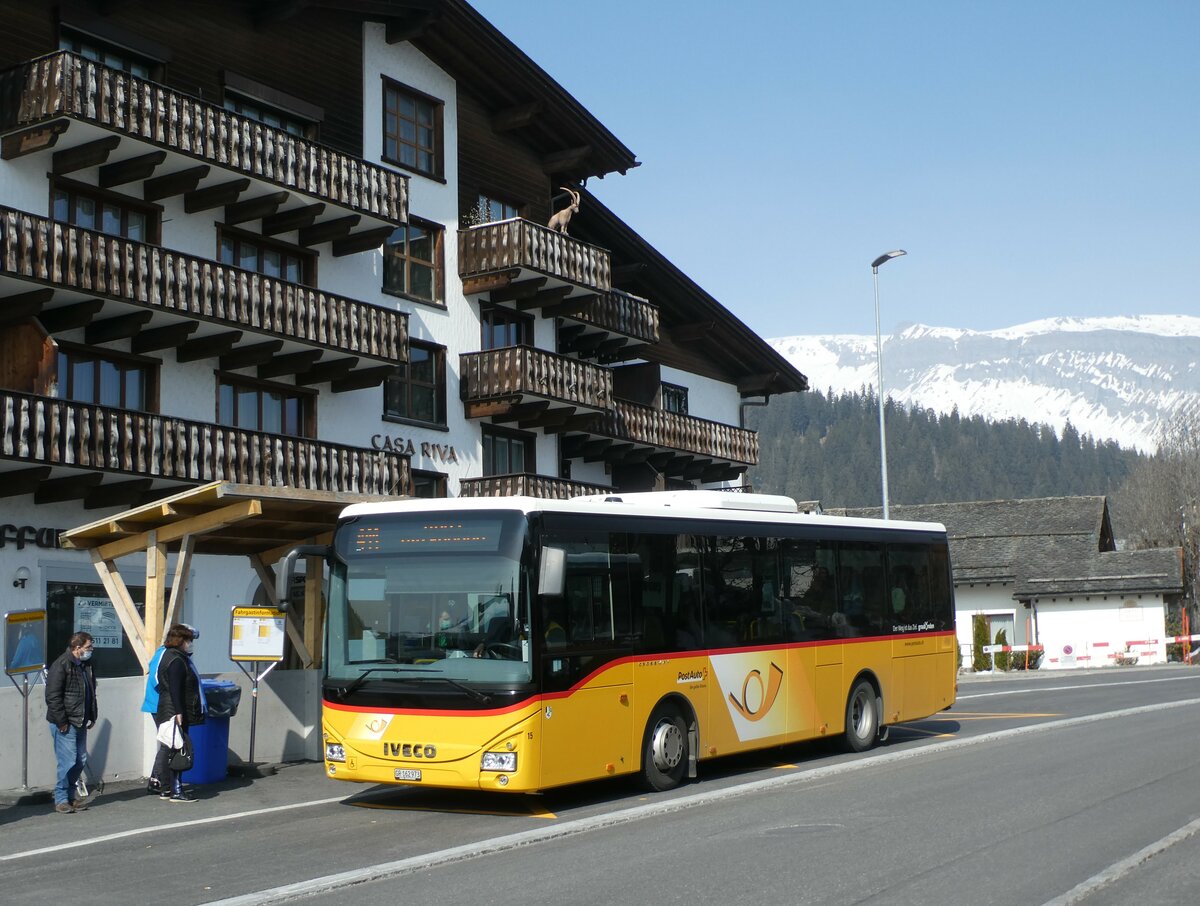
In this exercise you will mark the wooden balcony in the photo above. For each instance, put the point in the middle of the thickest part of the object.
(525, 484)
(676, 445)
(531, 386)
(493, 256)
(43, 431)
(621, 313)
(606, 327)
(38, 99)
(181, 286)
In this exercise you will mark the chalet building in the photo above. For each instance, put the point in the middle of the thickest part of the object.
(1046, 571)
(305, 245)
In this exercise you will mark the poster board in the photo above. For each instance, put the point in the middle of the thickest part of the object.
(25, 641)
(256, 634)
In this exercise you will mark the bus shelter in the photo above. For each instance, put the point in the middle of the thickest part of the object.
(261, 523)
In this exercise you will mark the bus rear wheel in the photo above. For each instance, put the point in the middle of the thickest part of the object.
(665, 749)
(862, 717)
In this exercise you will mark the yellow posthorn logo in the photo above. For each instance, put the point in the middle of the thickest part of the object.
(767, 693)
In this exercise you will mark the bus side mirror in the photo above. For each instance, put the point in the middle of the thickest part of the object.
(283, 579)
(552, 572)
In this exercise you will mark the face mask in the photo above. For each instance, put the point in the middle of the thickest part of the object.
(85, 656)
(445, 624)
(187, 647)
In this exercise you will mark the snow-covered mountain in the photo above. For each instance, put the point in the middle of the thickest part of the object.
(1114, 378)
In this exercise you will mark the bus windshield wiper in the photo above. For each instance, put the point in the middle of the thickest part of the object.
(482, 697)
(362, 678)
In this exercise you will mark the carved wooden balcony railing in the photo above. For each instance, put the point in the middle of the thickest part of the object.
(508, 245)
(517, 373)
(669, 430)
(622, 313)
(66, 85)
(45, 431)
(59, 255)
(525, 484)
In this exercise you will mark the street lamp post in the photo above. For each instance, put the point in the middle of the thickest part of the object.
(882, 259)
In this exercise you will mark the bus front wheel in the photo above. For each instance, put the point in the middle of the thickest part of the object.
(862, 717)
(665, 750)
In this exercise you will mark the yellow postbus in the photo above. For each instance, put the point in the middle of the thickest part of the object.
(517, 644)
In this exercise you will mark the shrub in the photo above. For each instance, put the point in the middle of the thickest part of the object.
(1002, 657)
(1024, 660)
(979, 638)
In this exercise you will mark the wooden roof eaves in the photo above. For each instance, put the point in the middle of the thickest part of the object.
(741, 351)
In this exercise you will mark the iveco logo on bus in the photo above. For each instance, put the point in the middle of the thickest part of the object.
(408, 750)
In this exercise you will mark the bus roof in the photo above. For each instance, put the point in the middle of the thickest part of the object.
(731, 506)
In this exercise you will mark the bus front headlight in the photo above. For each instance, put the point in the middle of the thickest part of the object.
(335, 751)
(499, 761)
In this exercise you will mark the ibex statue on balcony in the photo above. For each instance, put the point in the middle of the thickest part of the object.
(560, 220)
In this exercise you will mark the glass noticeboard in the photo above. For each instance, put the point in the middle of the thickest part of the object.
(25, 641)
(256, 634)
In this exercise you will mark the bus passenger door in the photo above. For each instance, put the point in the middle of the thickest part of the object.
(587, 722)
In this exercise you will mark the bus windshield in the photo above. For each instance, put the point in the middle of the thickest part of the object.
(440, 595)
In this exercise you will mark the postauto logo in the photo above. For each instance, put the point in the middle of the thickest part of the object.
(750, 686)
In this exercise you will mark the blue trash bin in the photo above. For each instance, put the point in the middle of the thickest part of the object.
(210, 740)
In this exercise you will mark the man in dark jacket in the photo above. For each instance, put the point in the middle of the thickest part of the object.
(71, 711)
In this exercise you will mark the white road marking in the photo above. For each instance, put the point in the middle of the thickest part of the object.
(475, 849)
(137, 831)
(1117, 870)
(1172, 679)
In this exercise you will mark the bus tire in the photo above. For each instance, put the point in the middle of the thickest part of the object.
(862, 717)
(665, 749)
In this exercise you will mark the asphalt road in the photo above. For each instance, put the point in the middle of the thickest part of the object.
(1049, 788)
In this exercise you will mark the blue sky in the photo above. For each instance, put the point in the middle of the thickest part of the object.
(1036, 158)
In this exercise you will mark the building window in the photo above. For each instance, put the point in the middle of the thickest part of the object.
(269, 116)
(675, 399)
(85, 606)
(417, 391)
(271, 259)
(412, 262)
(105, 379)
(110, 214)
(493, 209)
(259, 406)
(507, 452)
(501, 327)
(110, 55)
(412, 129)
(428, 484)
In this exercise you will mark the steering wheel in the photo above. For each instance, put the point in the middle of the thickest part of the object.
(504, 651)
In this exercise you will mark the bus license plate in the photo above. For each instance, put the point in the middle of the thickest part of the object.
(408, 773)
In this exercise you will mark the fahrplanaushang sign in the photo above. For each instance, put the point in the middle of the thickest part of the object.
(23, 536)
(444, 453)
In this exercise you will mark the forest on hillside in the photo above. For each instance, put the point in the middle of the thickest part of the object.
(826, 448)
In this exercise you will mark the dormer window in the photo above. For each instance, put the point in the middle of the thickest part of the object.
(110, 54)
(271, 107)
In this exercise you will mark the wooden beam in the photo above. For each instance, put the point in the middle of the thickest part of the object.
(247, 356)
(255, 208)
(526, 289)
(399, 29)
(327, 372)
(516, 117)
(293, 363)
(593, 450)
(168, 337)
(295, 219)
(627, 273)
(565, 160)
(131, 620)
(73, 487)
(36, 138)
(314, 607)
(171, 184)
(22, 481)
(131, 169)
(89, 154)
(68, 317)
(569, 333)
(757, 384)
(214, 196)
(551, 419)
(625, 353)
(121, 327)
(618, 453)
(489, 408)
(204, 522)
(183, 568)
(278, 553)
(568, 307)
(361, 242)
(206, 347)
(553, 296)
(156, 588)
(610, 346)
(363, 378)
(486, 283)
(523, 411)
(17, 308)
(122, 493)
(328, 230)
(266, 575)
